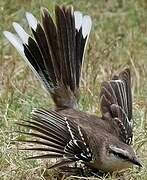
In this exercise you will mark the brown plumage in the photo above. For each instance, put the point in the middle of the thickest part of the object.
(56, 54)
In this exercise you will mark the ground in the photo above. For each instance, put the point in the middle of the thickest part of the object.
(118, 39)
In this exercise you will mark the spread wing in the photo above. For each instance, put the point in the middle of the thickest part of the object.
(56, 137)
(116, 104)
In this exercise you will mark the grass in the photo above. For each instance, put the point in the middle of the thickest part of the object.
(118, 39)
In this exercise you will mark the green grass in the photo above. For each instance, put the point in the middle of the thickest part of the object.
(118, 39)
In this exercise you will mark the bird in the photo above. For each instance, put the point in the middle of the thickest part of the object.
(55, 53)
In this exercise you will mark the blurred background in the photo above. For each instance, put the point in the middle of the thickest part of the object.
(118, 39)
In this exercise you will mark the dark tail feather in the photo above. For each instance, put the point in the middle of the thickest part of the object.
(56, 52)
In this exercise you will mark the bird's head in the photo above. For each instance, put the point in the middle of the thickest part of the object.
(119, 156)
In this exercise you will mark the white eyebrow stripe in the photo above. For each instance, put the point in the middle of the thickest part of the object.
(118, 150)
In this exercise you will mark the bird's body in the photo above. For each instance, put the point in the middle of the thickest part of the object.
(100, 132)
(55, 55)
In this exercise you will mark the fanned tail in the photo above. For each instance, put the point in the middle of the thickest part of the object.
(56, 50)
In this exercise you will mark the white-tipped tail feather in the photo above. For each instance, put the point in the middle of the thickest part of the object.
(31, 20)
(78, 20)
(21, 33)
(19, 43)
(16, 42)
(83, 22)
(86, 26)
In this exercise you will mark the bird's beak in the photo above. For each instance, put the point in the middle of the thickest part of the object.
(137, 162)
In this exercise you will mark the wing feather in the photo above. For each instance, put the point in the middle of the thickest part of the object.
(116, 103)
(56, 135)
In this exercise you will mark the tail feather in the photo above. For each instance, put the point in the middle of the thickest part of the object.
(33, 53)
(52, 40)
(83, 26)
(56, 52)
(42, 44)
(66, 34)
